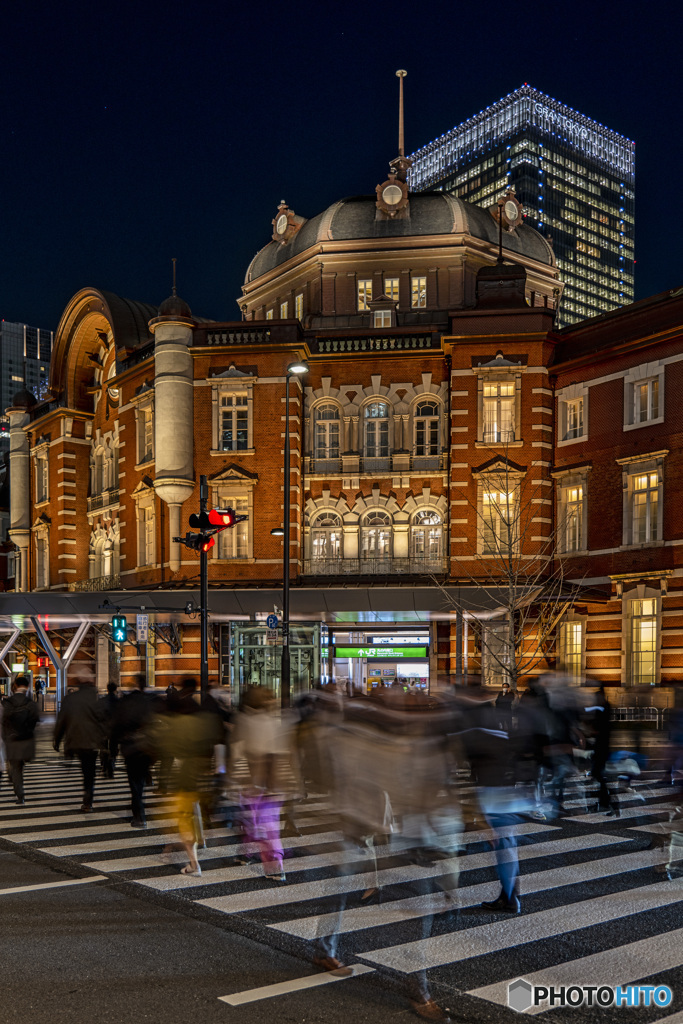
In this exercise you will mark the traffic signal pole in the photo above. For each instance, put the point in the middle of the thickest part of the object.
(203, 595)
(285, 665)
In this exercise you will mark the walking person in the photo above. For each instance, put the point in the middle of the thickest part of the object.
(19, 719)
(132, 730)
(108, 753)
(80, 725)
(504, 702)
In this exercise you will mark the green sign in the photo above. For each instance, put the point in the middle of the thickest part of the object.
(380, 652)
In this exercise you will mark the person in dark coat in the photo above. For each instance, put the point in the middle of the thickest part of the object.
(80, 724)
(109, 752)
(19, 719)
(602, 727)
(504, 702)
(132, 731)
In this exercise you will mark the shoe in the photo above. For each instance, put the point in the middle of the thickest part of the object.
(85, 808)
(189, 870)
(136, 823)
(430, 1010)
(22, 801)
(369, 896)
(281, 877)
(334, 966)
(504, 905)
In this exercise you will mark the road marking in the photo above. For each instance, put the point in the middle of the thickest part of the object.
(359, 918)
(295, 985)
(641, 811)
(481, 940)
(74, 833)
(52, 885)
(675, 1018)
(626, 963)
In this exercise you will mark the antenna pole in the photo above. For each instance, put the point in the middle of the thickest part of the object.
(401, 144)
(174, 261)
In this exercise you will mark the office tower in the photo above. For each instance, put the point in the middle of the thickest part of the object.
(574, 177)
(24, 363)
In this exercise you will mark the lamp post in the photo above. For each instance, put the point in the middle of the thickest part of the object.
(293, 370)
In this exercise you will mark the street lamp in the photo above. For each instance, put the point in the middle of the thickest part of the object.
(293, 370)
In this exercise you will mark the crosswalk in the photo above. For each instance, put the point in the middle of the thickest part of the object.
(598, 905)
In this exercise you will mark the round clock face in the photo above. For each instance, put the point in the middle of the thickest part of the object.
(511, 211)
(281, 224)
(392, 195)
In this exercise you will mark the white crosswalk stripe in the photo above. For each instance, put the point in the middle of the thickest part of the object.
(594, 870)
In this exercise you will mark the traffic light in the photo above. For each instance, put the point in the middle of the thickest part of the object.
(201, 521)
(198, 541)
(209, 524)
(119, 629)
(222, 517)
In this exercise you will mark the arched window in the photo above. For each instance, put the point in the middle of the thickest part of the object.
(426, 536)
(376, 432)
(326, 431)
(427, 429)
(376, 538)
(326, 536)
(97, 472)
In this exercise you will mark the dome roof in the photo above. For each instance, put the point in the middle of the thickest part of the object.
(174, 306)
(429, 213)
(24, 399)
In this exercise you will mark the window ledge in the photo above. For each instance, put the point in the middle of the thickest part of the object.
(247, 560)
(501, 444)
(232, 451)
(572, 440)
(645, 423)
(645, 544)
(144, 465)
(574, 554)
(38, 504)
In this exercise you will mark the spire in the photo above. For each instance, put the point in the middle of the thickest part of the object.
(399, 166)
(174, 261)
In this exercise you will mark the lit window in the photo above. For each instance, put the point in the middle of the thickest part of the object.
(573, 519)
(234, 429)
(427, 429)
(574, 419)
(326, 431)
(146, 537)
(364, 294)
(382, 318)
(269, 314)
(326, 536)
(643, 642)
(376, 535)
(646, 400)
(426, 536)
(284, 310)
(234, 542)
(299, 307)
(418, 292)
(145, 423)
(645, 507)
(41, 479)
(571, 648)
(499, 521)
(499, 412)
(391, 288)
(377, 430)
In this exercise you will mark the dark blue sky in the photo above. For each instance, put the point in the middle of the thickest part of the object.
(134, 132)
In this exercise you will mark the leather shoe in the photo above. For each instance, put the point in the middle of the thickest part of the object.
(85, 808)
(331, 964)
(504, 904)
(430, 1010)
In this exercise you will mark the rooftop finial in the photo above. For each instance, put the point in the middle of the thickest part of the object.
(401, 144)
(174, 261)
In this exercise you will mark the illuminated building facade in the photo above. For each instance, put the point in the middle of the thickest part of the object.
(574, 177)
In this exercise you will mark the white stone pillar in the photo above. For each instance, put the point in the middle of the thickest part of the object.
(20, 511)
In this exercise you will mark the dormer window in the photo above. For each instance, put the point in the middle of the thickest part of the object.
(382, 318)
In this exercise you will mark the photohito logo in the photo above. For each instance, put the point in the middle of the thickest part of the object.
(523, 996)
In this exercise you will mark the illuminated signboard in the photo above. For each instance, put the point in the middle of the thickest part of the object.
(380, 652)
(401, 639)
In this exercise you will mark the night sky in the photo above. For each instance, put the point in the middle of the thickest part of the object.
(135, 132)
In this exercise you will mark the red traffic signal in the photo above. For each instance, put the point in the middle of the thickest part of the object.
(207, 542)
(222, 517)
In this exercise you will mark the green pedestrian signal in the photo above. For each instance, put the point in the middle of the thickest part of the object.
(119, 629)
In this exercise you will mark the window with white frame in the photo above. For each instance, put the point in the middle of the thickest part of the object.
(41, 478)
(495, 654)
(146, 535)
(427, 428)
(418, 292)
(327, 536)
(499, 532)
(572, 518)
(326, 431)
(391, 288)
(376, 415)
(299, 307)
(574, 414)
(426, 536)
(42, 560)
(643, 641)
(376, 535)
(364, 294)
(645, 502)
(498, 412)
(284, 310)
(145, 425)
(644, 395)
(234, 542)
(571, 647)
(382, 318)
(234, 422)
(270, 314)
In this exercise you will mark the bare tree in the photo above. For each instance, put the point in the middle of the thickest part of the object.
(516, 569)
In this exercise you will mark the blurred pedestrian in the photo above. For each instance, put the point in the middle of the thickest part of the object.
(504, 702)
(133, 730)
(19, 719)
(80, 725)
(109, 751)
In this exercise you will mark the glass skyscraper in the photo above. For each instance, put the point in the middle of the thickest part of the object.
(24, 363)
(574, 177)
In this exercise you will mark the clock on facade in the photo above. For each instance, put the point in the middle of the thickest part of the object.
(392, 195)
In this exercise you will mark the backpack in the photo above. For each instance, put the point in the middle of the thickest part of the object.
(20, 721)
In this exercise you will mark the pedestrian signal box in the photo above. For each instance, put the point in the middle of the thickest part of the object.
(119, 629)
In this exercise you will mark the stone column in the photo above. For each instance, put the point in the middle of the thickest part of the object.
(20, 511)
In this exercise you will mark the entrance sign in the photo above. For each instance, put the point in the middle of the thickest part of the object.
(380, 652)
(271, 622)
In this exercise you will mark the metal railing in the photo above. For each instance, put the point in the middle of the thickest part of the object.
(112, 582)
(324, 465)
(498, 436)
(639, 714)
(415, 566)
(103, 500)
